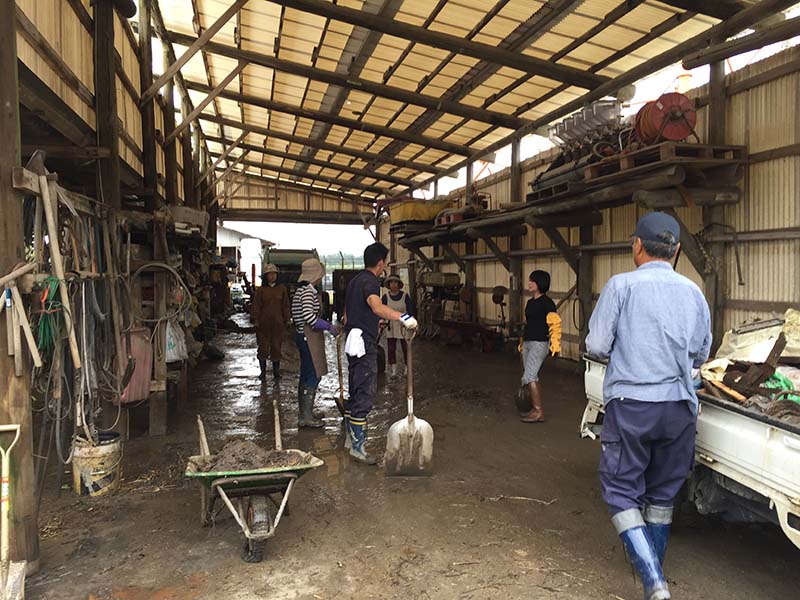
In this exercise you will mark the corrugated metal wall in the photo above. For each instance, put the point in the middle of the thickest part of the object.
(764, 117)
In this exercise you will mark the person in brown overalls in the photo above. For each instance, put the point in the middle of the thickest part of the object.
(271, 313)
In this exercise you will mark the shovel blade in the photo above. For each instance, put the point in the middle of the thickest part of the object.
(409, 448)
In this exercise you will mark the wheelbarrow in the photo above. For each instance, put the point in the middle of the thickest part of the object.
(257, 498)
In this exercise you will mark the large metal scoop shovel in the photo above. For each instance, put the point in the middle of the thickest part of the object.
(409, 443)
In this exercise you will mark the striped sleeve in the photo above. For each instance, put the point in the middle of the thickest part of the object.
(305, 307)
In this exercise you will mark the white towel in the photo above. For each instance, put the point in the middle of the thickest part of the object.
(354, 346)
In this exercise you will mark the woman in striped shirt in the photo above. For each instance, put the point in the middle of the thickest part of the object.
(310, 339)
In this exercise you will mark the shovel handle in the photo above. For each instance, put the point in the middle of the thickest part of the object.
(10, 429)
(410, 376)
(340, 402)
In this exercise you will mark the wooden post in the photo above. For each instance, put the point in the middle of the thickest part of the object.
(189, 195)
(412, 285)
(714, 278)
(516, 173)
(170, 155)
(158, 399)
(585, 283)
(150, 170)
(213, 213)
(515, 243)
(15, 392)
(469, 189)
(108, 171)
(470, 279)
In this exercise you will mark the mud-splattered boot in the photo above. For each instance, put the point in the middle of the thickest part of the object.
(263, 364)
(306, 412)
(276, 369)
(358, 439)
(632, 530)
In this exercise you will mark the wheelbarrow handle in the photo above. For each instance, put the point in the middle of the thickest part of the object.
(204, 450)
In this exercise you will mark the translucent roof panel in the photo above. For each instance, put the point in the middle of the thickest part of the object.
(375, 102)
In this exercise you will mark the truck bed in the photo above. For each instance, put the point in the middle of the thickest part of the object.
(743, 445)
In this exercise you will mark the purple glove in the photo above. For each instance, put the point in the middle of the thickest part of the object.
(323, 325)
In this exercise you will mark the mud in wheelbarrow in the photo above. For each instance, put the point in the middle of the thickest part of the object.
(257, 498)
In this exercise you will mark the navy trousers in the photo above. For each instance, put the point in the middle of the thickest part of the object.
(647, 452)
(363, 380)
(308, 374)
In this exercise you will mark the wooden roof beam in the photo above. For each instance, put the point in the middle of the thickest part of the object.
(315, 161)
(332, 180)
(206, 101)
(355, 83)
(290, 216)
(759, 39)
(367, 156)
(229, 146)
(227, 171)
(719, 9)
(333, 119)
(237, 180)
(193, 49)
(198, 30)
(161, 31)
(444, 41)
(333, 194)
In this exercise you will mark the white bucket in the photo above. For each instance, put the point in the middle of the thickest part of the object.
(96, 469)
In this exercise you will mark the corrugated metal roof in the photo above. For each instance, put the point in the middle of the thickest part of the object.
(546, 30)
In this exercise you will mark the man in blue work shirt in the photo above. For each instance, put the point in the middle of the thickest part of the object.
(363, 310)
(653, 326)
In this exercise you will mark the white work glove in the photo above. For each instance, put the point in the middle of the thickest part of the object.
(408, 321)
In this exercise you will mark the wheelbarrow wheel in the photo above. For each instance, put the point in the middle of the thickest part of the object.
(258, 522)
(253, 551)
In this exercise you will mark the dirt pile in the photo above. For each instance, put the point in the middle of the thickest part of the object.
(244, 455)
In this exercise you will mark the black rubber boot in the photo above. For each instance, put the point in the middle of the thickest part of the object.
(306, 413)
(263, 365)
(276, 369)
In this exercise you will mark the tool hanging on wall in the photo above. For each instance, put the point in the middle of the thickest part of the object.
(17, 318)
(36, 165)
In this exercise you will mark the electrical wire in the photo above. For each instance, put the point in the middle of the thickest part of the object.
(186, 302)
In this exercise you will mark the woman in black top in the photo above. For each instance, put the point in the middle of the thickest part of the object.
(536, 341)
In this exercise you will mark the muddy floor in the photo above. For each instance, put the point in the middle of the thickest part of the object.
(513, 510)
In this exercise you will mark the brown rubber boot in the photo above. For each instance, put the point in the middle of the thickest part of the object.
(537, 413)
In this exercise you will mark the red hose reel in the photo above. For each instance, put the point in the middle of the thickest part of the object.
(670, 118)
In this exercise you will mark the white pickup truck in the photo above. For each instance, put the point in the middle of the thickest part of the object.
(747, 465)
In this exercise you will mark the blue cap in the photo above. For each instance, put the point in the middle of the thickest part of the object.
(651, 225)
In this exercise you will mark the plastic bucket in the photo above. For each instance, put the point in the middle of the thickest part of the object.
(96, 469)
